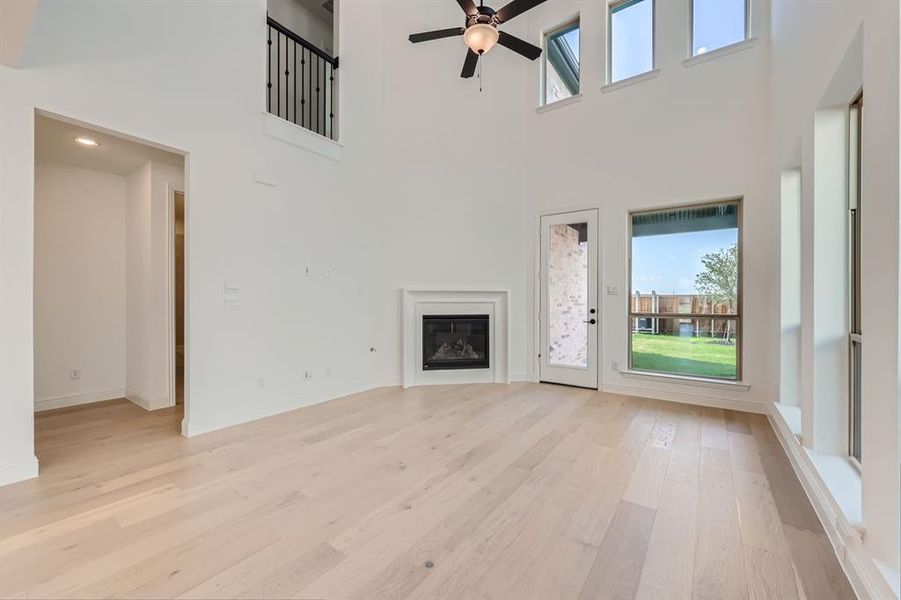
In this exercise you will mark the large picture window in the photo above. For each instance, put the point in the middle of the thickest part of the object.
(685, 291)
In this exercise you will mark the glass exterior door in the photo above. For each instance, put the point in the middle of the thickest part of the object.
(568, 315)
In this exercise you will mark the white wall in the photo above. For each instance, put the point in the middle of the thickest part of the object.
(79, 283)
(790, 288)
(147, 282)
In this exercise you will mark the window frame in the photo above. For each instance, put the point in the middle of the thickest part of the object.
(564, 27)
(613, 6)
(737, 317)
(855, 330)
(691, 30)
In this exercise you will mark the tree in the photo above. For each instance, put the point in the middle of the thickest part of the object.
(718, 283)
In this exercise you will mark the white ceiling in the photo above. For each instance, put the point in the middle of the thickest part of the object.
(54, 141)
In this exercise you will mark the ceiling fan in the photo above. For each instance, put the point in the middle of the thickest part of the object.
(480, 32)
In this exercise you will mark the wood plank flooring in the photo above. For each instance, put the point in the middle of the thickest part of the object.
(480, 492)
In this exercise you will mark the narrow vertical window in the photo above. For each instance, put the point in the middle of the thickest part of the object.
(631, 48)
(854, 263)
(561, 63)
(685, 297)
(717, 23)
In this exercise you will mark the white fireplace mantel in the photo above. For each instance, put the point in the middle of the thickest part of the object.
(418, 301)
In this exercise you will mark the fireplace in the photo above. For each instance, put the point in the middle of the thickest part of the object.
(454, 342)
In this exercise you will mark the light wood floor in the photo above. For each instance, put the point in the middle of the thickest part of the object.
(466, 492)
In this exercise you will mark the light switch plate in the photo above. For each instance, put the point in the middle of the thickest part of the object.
(612, 289)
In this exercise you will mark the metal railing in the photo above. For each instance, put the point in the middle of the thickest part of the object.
(300, 81)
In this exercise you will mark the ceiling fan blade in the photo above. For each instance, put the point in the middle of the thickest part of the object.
(428, 36)
(469, 65)
(515, 8)
(469, 7)
(519, 46)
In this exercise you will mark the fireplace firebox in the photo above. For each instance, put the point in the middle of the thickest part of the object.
(454, 342)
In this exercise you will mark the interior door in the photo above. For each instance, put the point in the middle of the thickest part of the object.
(568, 316)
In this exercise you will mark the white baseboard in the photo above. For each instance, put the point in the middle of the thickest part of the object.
(148, 403)
(688, 398)
(52, 402)
(865, 575)
(19, 470)
(194, 426)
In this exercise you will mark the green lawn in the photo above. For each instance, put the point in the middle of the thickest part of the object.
(701, 356)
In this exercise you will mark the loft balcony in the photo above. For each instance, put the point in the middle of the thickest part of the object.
(301, 84)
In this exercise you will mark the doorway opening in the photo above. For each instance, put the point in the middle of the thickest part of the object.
(104, 266)
(177, 285)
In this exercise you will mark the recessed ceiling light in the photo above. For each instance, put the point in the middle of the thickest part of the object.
(86, 141)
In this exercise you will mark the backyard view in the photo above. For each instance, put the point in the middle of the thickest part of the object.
(706, 357)
(684, 306)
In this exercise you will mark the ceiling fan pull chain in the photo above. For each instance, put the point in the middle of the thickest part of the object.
(481, 60)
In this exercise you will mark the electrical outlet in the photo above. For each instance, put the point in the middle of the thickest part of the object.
(308, 375)
(75, 374)
(328, 371)
(614, 365)
(261, 383)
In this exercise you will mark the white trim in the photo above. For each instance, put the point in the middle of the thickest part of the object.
(19, 471)
(53, 402)
(622, 83)
(723, 51)
(739, 386)
(148, 403)
(559, 103)
(686, 398)
(300, 137)
(863, 572)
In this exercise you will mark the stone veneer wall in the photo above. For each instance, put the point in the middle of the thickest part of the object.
(567, 297)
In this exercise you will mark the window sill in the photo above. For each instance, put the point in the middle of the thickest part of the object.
(301, 137)
(616, 85)
(686, 380)
(559, 103)
(724, 51)
(836, 482)
(842, 480)
(792, 417)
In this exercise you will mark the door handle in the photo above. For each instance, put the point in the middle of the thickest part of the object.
(592, 321)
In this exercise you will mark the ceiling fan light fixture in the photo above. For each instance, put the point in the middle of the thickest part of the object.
(481, 37)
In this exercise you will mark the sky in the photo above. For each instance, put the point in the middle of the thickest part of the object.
(717, 23)
(668, 264)
(572, 40)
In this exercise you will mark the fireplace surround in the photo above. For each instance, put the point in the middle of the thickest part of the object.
(457, 302)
